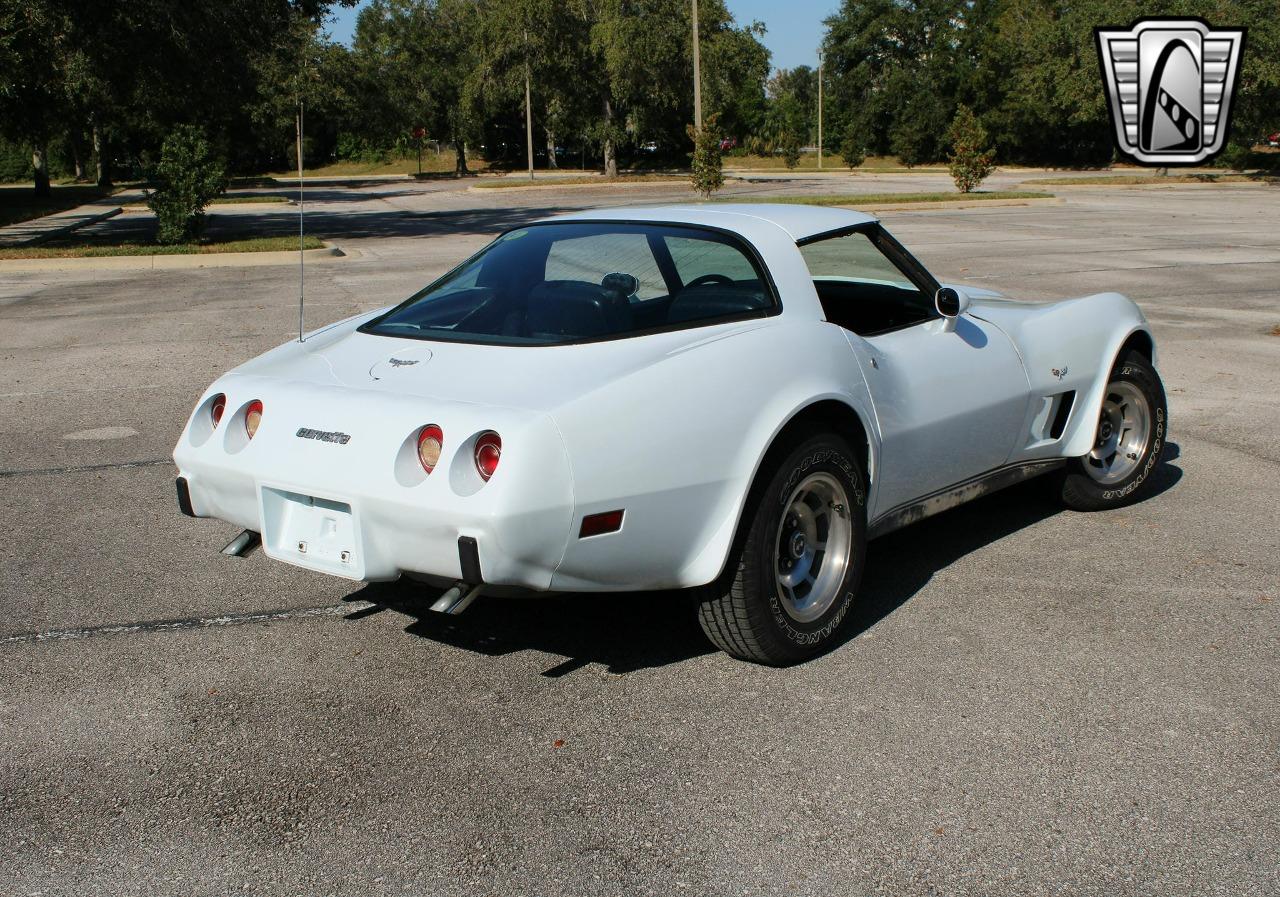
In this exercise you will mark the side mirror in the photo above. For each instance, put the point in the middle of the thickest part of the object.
(951, 304)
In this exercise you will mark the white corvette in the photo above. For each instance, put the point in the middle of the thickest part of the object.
(730, 399)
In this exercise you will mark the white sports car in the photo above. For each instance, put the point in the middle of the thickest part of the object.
(729, 399)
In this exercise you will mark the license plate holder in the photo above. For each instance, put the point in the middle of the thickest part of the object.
(313, 532)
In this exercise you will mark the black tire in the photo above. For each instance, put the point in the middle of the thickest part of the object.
(1081, 491)
(744, 613)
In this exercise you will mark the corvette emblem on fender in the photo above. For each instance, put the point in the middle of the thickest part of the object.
(1169, 85)
(402, 362)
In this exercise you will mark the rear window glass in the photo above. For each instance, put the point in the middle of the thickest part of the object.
(548, 284)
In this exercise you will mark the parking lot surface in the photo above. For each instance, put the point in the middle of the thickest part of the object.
(1029, 701)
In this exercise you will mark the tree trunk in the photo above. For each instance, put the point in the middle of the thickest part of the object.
(610, 151)
(101, 151)
(77, 155)
(551, 149)
(460, 149)
(42, 171)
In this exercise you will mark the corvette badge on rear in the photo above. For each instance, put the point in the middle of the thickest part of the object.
(323, 435)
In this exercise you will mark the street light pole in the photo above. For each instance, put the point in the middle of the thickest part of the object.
(528, 107)
(697, 72)
(819, 108)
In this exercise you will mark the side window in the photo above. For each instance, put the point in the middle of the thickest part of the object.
(861, 289)
(589, 259)
(696, 258)
(852, 257)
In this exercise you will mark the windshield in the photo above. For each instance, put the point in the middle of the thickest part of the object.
(556, 283)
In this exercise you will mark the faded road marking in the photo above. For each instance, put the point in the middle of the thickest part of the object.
(59, 635)
(37, 471)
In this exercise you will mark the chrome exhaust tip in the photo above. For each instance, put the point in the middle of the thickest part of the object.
(242, 544)
(457, 599)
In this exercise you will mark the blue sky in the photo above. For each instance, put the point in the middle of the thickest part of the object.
(794, 26)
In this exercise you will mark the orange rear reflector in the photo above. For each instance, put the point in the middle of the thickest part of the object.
(599, 524)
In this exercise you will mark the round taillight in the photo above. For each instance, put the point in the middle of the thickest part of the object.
(216, 408)
(430, 442)
(252, 417)
(488, 452)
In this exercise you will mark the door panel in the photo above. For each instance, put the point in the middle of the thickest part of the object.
(948, 405)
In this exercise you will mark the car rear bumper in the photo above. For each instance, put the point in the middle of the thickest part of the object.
(364, 509)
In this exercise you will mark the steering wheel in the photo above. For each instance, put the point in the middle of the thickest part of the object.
(709, 278)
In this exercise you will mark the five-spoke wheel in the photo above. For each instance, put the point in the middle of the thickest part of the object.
(812, 550)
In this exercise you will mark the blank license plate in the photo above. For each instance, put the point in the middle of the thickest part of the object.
(311, 532)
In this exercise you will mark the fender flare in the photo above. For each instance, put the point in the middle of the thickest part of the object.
(710, 565)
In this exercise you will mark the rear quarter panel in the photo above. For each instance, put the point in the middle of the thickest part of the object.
(678, 444)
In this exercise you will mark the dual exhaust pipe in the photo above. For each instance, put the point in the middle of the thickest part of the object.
(453, 602)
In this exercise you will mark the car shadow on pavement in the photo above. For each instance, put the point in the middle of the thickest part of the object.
(900, 564)
(625, 632)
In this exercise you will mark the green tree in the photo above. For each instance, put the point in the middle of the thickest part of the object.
(852, 151)
(735, 66)
(789, 145)
(33, 38)
(644, 56)
(971, 159)
(304, 71)
(706, 173)
(785, 123)
(793, 102)
(187, 178)
(421, 52)
(540, 40)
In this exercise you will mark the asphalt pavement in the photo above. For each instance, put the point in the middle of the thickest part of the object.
(1029, 701)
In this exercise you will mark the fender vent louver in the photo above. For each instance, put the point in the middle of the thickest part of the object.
(1065, 401)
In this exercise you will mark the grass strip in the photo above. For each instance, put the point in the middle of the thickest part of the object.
(1130, 180)
(868, 199)
(508, 183)
(99, 250)
(237, 200)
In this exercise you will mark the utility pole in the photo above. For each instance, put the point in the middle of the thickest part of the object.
(302, 238)
(697, 72)
(819, 108)
(528, 107)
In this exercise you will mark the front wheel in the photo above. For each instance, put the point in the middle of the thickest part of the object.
(1128, 441)
(798, 558)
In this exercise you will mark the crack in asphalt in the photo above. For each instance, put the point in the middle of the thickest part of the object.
(270, 616)
(38, 471)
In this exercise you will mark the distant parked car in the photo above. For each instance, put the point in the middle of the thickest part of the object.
(649, 146)
(728, 143)
(1272, 139)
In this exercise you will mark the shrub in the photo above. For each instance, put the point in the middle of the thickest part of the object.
(852, 151)
(354, 148)
(188, 177)
(789, 144)
(15, 162)
(706, 175)
(971, 163)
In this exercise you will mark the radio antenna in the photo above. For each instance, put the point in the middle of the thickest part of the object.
(302, 240)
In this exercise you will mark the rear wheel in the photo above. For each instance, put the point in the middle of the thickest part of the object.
(798, 558)
(1128, 441)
